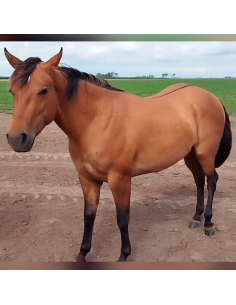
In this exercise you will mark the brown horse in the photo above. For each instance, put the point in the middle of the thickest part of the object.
(114, 135)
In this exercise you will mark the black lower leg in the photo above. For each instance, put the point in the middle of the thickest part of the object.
(200, 182)
(211, 186)
(193, 164)
(200, 198)
(123, 222)
(89, 217)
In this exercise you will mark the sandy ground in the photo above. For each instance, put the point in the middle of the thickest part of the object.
(41, 209)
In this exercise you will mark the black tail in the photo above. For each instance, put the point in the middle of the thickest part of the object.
(225, 144)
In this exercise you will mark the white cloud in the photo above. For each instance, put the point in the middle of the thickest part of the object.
(131, 58)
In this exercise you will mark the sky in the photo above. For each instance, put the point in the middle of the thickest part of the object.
(185, 59)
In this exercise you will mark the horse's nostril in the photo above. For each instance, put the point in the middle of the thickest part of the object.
(8, 139)
(24, 138)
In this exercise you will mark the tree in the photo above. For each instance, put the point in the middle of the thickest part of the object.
(108, 75)
(164, 75)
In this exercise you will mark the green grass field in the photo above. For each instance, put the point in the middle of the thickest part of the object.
(224, 89)
(6, 99)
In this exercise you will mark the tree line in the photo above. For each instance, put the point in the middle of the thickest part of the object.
(116, 75)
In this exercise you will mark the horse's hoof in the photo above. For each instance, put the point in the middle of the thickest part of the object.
(194, 224)
(80, 259)
(122, 259)
(210, 231)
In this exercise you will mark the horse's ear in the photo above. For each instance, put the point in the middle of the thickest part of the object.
(13, 60)
(53, 62)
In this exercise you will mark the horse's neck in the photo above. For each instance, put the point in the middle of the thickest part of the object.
(74, 116)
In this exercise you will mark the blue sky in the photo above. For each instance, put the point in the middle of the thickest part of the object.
(185, 59)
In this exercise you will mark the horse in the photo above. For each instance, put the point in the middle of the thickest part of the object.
(114, 135)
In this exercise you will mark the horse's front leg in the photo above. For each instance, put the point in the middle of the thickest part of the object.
(91, 190)
(120, 186)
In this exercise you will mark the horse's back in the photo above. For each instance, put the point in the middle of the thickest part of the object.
(197, 104)
(181, 95)
(168, 90)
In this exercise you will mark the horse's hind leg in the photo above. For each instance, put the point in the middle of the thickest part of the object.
(207, 162)
(211, 187)
(193, 164)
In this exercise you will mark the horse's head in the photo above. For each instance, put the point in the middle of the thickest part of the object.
(35, 100)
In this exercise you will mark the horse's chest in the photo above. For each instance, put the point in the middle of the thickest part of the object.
(90, 166)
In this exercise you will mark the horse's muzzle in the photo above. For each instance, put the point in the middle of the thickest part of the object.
(20, 142)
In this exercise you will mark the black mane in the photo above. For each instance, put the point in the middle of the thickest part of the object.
(22, 73)
(73, 76)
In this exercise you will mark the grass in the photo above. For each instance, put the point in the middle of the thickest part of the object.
(6, 99)
(224, 89)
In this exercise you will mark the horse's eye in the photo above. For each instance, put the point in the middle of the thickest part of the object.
(44, 91)
(11, 92)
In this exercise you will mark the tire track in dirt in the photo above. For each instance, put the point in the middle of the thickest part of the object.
(35, 155)
(66, 156)
(36, 159)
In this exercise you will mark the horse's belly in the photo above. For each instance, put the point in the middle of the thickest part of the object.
(162, 143)
(156, 160)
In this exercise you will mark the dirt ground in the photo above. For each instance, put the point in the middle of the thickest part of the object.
(41, 209)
